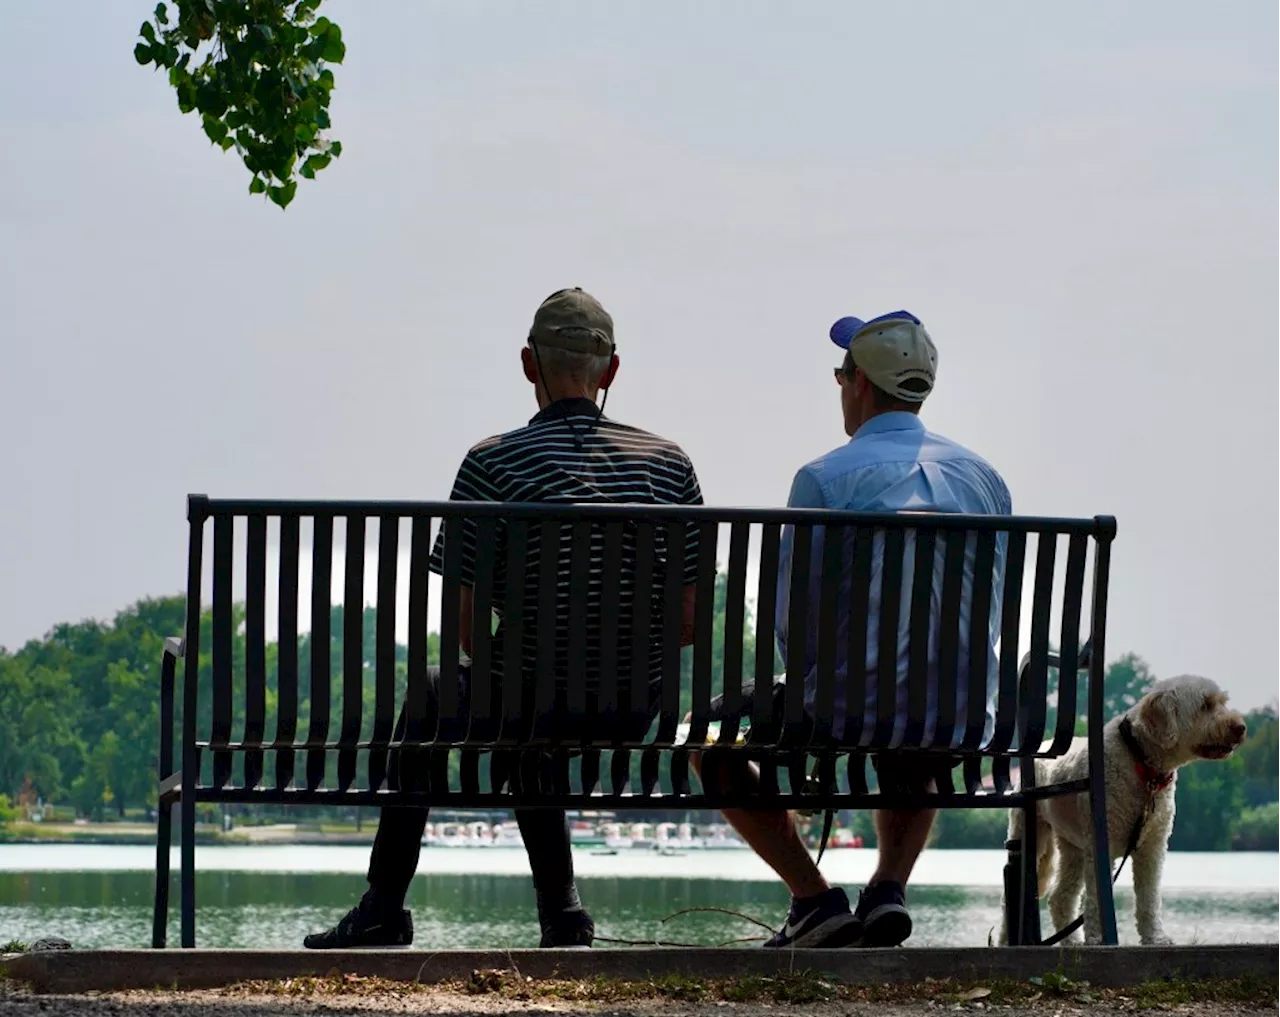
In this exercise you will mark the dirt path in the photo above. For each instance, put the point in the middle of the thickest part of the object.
(280, 1001)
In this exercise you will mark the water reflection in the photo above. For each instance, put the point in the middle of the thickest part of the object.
(275, 909)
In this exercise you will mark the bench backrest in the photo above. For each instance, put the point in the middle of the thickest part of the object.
(914, 562)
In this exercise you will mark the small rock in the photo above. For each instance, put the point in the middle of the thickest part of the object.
(49, 943)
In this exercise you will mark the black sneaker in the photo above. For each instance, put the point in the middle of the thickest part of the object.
(362, 927)
(821, 922)
(568, 930)
(882, 915)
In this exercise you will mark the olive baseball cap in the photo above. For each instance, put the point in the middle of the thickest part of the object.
(573, 320)
(894, 351)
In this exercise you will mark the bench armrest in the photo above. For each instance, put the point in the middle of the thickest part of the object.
(174, 648)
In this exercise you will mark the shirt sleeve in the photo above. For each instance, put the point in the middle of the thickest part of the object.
(472, 484)
(692, 495)
(806, 492)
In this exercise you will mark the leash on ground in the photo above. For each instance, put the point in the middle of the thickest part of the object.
(686, 911)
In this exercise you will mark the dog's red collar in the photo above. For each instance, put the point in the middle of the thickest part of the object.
(1152, 779)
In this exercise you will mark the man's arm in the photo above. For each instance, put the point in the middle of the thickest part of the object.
(806, 492)
(471, 484)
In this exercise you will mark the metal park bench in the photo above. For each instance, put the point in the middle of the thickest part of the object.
(261, 724)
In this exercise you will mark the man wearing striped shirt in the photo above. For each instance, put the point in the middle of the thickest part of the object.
(568, 453)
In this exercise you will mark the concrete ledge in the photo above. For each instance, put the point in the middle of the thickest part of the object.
(83, 970)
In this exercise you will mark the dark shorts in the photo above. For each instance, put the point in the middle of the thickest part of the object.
(560, 722)
(897, 772)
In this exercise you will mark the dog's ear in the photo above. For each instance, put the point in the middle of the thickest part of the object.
(1157, 713)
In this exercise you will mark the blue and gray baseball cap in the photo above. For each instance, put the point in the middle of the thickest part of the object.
(894, 351)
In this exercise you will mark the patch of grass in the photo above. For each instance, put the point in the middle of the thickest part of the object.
(13, 946)
(801, 987)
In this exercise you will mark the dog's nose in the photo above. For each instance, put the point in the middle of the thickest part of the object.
(1238, 730)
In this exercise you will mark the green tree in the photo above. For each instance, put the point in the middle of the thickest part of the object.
(1258, 829)
(1210, 795)
(256, 72)
(1259, 757)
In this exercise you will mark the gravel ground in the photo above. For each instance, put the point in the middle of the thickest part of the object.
(242, 1002)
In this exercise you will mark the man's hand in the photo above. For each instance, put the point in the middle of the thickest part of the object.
(687, 607)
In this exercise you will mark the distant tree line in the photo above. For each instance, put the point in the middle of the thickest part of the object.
(79, 723)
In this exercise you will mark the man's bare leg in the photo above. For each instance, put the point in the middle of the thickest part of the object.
(901, 835)
(772, 833)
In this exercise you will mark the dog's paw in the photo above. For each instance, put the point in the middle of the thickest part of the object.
(1160, 940)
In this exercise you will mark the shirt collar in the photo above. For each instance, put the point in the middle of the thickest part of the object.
(897, 420)
(575, 406)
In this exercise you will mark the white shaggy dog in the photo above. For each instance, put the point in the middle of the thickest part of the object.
(1180, 720)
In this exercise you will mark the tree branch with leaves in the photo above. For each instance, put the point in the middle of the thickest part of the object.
(256, 72)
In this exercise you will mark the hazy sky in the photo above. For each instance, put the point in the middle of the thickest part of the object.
(1079, 200)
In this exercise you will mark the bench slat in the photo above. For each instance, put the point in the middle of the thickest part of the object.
(979, 665)
(412, 720)
(1033, 691)
(1069, 643)
(824, 702)
(1010, 618)
(319, 642)
(795, 718)
(220, 729)
(352, 647)
(255, 645)
(513, 628)
(481, 707)
(734, 623)
(672, 609)
(860, 573)
(384, 661)
(449, 691)
(918, 624)
(608, 701)
(581, 536)
(887, 638)
(951, 709)
(287, 650)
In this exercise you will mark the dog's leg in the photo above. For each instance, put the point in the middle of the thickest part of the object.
(1148, 864)
(1045, 849)
(1064, 896)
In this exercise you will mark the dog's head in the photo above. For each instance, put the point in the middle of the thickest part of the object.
(1187, 718)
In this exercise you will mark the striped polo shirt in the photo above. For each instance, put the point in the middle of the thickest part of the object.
(569, 454)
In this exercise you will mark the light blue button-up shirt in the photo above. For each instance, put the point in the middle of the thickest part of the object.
(894, 464)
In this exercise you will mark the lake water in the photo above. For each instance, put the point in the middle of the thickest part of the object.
(270, 896)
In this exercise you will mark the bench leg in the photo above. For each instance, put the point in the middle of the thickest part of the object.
(164, 838)
(1102, 851)
(188, 881)
(1029, 895)
(1012, 903)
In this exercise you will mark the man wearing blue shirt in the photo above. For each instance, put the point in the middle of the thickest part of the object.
(891, 464)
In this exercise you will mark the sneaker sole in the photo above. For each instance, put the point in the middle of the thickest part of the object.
(836, 932)
(361, 946)
(886, 926)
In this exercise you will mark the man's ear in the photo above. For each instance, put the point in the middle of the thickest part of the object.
(530, 365)
(610, 373)
(1156, 711)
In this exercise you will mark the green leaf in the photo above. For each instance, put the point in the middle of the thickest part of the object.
(147, 32)
(214, 128)
(321, 27)
(335, 148)
(257, 186)
(162, 15)
(226, 143)
(334, 48)
(283, 194)
(142, 53)
(314, 165)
